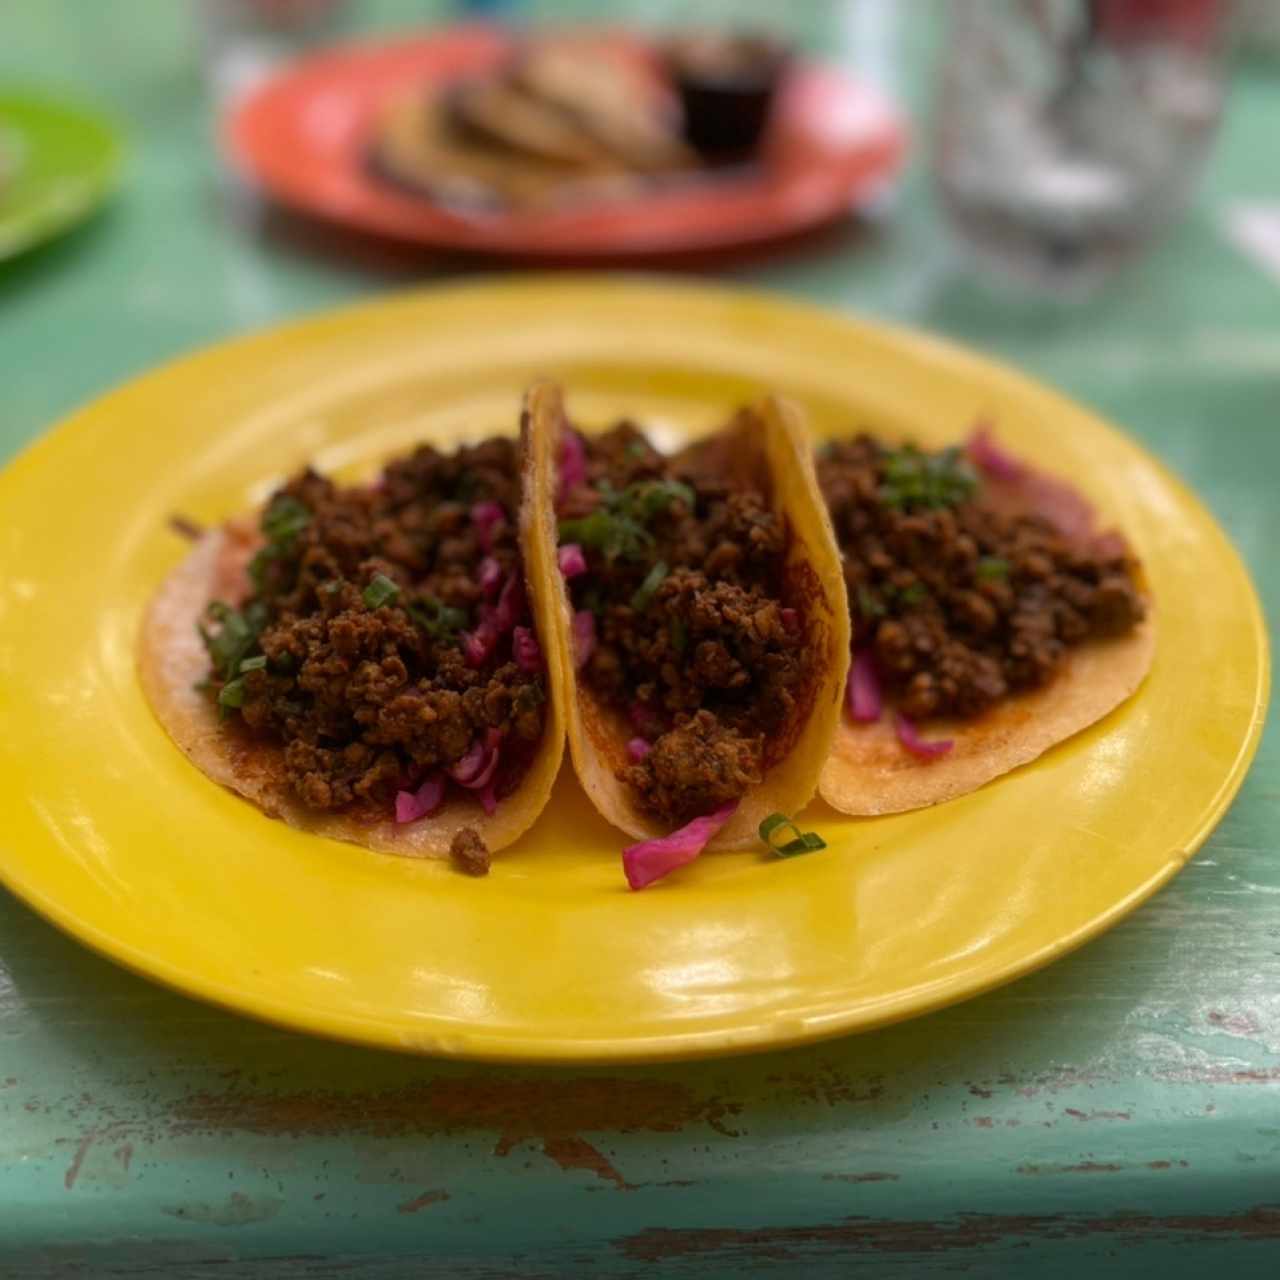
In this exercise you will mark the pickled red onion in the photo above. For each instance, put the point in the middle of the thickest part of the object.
(572, 462)
(862, 689)
(526, 650)
(412, 805)
(910, 738)
(650, 860)
(571, 560)
(584, 637)
(487, 516)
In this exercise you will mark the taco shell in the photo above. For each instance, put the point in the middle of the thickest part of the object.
(769, 439)
(172, 658)
(870, 772)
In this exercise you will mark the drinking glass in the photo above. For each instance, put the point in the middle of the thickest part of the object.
(1068, 133)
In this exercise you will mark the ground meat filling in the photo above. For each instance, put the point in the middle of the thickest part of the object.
(377, 646)
(694, 642)
(959, 604)
(470, 853)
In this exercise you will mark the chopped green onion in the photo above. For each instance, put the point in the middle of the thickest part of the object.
(284, 518)
(992, 568)
(592, 530)
(617, 526)
(255, 663)
(917, 480)
(330, 588)
(804, 841)
(637, 449)
(913, 594)
(646, 498)
(612, 533)
(645, 591)
(258, 565)
(868, 605)
(436, 619)
(232, 694)
(380, 591)
(237, 633)
(678, 630)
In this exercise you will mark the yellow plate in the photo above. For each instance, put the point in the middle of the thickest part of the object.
(110, 833)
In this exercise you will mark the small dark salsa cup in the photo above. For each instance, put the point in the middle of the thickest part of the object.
(727, 83)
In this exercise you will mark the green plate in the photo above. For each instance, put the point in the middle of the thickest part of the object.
(58, 163)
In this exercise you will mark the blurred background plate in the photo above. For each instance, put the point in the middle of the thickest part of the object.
(58, 162)
(302, 137)
(112, 834)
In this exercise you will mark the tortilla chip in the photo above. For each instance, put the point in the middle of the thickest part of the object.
(172, 658)
(769, 438)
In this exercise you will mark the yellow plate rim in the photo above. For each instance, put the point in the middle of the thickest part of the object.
(666, 1046)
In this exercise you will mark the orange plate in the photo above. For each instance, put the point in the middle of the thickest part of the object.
(302, 137)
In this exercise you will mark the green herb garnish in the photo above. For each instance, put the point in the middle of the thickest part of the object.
(678, 631)
(925, 481)
(913, 594)
(284, 518)
(612, 533)
(237, 634)
(436, 619)
(803, 842)
(646, 498)
(258, 565)
(617, 526)
(637, 449)
(645, 591)
(380, 591)
(868, 605)
(256, 663)
(232, 694)
(330, 588)
(992, 569)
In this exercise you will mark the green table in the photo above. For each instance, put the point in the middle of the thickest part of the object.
(1119, 1111)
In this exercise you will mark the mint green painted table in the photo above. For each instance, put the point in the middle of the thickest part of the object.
(1118, 1113)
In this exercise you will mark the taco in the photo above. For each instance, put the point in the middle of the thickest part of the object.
(361, 661)
(699, 618)
(992, 619)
